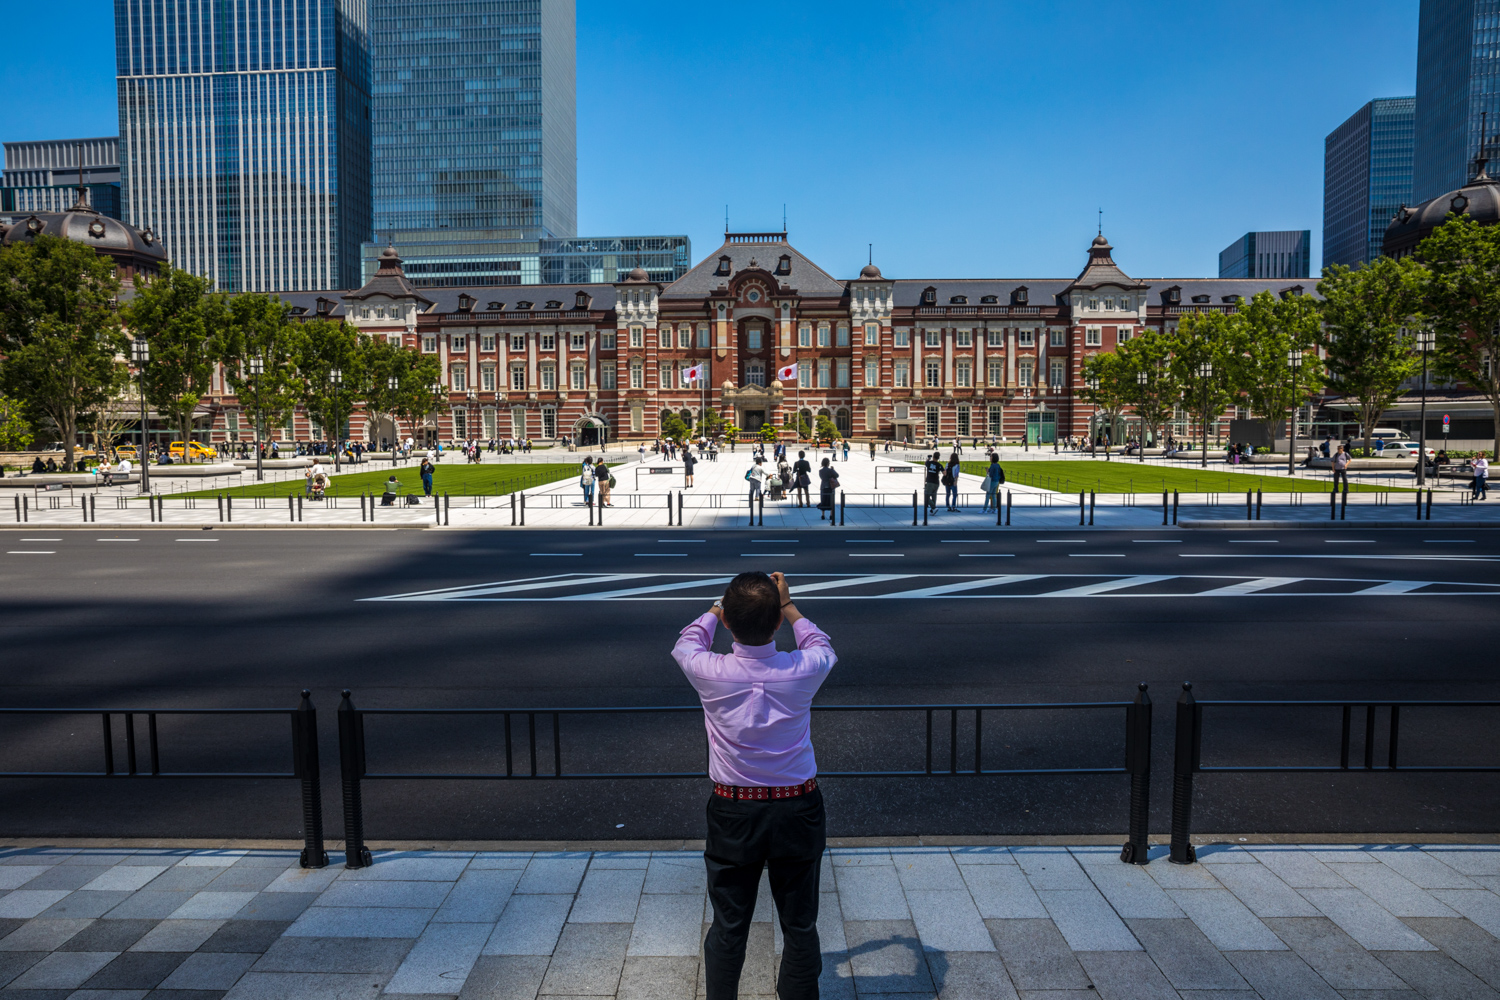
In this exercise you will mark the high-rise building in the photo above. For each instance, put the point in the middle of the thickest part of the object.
(1284, 254)
(45, 176)
(475, 117)
(245, 136)
(1458, 80)
(1367, 177)
(455, 258)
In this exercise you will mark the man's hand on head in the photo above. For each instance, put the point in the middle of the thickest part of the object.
(788, 609)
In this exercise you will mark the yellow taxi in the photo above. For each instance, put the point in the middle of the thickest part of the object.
(125, 451)
(195, 452)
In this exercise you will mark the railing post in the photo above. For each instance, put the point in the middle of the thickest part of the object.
(305, 765)
(913, 508)
(843, 508)
(221, 508)
(599, 499)
(1419, 505)
(1176, 503)
(1333, 504)
(679, 506)
(291, 511)
(512, 510)
(1080, 508)
(447, 505)
(669, 510)
(590, 505)
(1091, 508)
(1163, 507)
(763, 508)
(352, 769)
(1184, 763)
(523, 509)
(1429, 505)
(1010, 505)
(1248, 502)
(1344, 507)
(1260, 499)
(229, 509)
(1138, 762)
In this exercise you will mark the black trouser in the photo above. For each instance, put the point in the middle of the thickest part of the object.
(1340, 474)
(743, 837)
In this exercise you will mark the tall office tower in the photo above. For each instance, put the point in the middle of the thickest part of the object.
(475, 121)
(245, 136)
(45, 176)
(1458, 79)
(1283, 254)
(1367, 177)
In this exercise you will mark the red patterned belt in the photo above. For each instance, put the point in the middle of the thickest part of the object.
(764, 794)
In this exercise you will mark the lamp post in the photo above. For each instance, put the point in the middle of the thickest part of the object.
(1026, 417)
(1205, 372)
(336, 379)
(1294, 362)
(437, 390)
(1424, 344)
(469, 398)
(257, 368)
(393, 384)
(1093, 383)
(140, 353)
(1141, 378)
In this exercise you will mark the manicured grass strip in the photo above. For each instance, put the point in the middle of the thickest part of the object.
(1125, 476)
(458, 479)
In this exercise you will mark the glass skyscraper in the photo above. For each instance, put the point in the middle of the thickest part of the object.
(1458, 78)
(1281, 254)
(1367, 176)
(245, 136)
(475, 120)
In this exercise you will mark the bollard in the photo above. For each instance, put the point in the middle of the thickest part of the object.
(1080, 508)
(512, 510)
(291, 513)
(437, 510)
(1344, 507)
(17, 499)
(361, 508)
(305, 766)
(1419, 505)
(999, 511)
(299, 510)
(523, 509)
(351, 770)
(842, 509)
(913, 508)
(1163, 507)
(229, 510)
(1185, 762)
(161, 508)
(1091, 508)
(750, 499)
(1260, 500)
(589, 503)
(221, 509)
(1429, 505)
(447, 501)
(599, 496)
(763, 509)
(1333, 505)
(924, 513)
(1010, 502)
(1176, 503)
(669, 510)
(1138, 762)
(679, 506)
(85, 508)
(1248, 504)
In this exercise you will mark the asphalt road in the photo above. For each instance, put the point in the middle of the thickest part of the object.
(427, 619)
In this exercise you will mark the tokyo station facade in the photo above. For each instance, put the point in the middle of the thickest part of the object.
(883, 358)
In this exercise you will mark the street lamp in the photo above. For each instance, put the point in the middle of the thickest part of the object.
(1205, 372)
(469, 397)
(257, 368)
(1294, 361)
(1424, 344)
(1093, 383)
(393, 383)
(1141, 379)
(140, 353)
(437, 391)
(336, 379)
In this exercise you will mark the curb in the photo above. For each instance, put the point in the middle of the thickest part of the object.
(1332, 525)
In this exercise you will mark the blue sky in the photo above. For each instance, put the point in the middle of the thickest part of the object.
(962, 139)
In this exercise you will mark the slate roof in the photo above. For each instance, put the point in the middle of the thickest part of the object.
(389, 280)
(445, 300)
(807, 278)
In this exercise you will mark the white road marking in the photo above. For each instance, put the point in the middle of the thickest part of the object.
(1096, 555)
(1255, 541)
(986, 555)
(30, 552)
(877, 555)
(117, 539)
(966, 541)
(545, 554)
(659, 588)
(41, 539)
(1395, 587)
(1225, 555)
(1090, 589)
(944, 589)
(1044, 541)
(661, 555)
(774, 541)
(1249, 586)
(869, 541)
(1448, 541)
(682, 541)
(1348, 541)
(761, 555)
(1157, 541)
(195, 539)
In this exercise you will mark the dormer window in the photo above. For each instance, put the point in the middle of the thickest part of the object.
(929, 296)
(495, 306)
(581, 300)
(784, 264)
(325, 306)
(554, 304)
(959, 300)
(724, 265)
(1174, 295)
(465, 303)
(989, 300)
(1203, 298)
(1018, 297)
(523, 304)
(1230, 299)
(1287, 293)
(299, 310)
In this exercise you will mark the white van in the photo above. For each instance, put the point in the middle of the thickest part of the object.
(1383, 432)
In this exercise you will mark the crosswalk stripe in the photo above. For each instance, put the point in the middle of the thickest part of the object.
(1396, 587)
(956, 588)
(510, 587)
(1090, 589)
(660, 588)
(1249, 586)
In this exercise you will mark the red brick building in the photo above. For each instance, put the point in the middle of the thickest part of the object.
(881, 357)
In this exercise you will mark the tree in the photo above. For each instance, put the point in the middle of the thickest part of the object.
(1205, 338)
(672, 426)
(180, 315)
(1155, 398)
(1366, 313)
(711, 423)
(1268, 329)
(258, 328)
(59, 332)
(399, 384)
(827, 429)
(1463, 304)
(109, 418)
(327, 347)
(16, 432)
(768, 433)
(1104, 386)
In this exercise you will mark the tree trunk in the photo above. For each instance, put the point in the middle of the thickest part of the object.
(184, 429)
(69, 427)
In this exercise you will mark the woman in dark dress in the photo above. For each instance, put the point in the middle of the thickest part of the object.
(828, 482)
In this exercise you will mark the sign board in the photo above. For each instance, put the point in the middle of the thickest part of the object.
(900, 468)
(1445, 423)
(661, 472)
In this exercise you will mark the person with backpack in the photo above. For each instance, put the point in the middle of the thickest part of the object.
(950, 480)
(586, 481)
(994, 478)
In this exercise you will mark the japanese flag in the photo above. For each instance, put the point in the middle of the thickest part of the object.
(787, 374)
(692, 374)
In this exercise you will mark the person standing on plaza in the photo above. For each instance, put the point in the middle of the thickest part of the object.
(994, 478)
(932, 475)
(1481, 467)
(426, 471)
(828, 481)
(950, 480)
(766, 809)
(846, 449)
(802, 479)
(604, 480)
(688, 461)
(1341, 467)
(586, 481)
(756, 477)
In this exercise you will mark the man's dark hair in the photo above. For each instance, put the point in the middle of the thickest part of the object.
(752, 608)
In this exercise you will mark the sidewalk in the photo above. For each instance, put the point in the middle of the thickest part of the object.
(1281, 922)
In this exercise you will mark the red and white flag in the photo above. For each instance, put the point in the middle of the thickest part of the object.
(787, 374)
(692, 374)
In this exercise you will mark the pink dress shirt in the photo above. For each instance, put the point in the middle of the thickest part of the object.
(757, 702)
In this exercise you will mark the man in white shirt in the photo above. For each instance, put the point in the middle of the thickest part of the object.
(756, 477)
(1481, 466)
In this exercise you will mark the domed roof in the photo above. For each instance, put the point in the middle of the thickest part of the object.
(776, 384)
(637, 275)
(1100, 241)
(139, 248)
(1479, 200)
(869, 271)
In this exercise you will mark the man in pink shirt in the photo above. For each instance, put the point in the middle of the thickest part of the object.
(765, 808)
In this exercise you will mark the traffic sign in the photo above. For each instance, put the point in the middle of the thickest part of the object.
(1445, 423)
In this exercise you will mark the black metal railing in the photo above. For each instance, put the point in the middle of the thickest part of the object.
(304, 756)
(529, 727)
(1188, 752)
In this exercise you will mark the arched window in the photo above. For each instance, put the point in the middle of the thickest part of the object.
(841, 419)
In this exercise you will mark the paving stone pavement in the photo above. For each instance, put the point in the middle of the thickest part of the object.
(1293, 922)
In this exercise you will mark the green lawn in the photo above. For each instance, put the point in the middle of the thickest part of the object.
(1125, 476)
(459, 479)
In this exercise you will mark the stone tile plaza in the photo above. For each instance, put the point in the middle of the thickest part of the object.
(968, 532)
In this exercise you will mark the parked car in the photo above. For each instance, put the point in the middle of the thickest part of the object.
(1404, 449)
(125, 451)
(196, 451)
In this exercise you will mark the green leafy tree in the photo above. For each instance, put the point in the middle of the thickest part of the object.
(255, 328)
(1366, 314)
(827, 429)
(672, 426)
(327, 347)
(768, 433)
(107, 421)
(711, 423)
(1463, 303)
(1104, 387)
(181, 317)
(399, 384)
(1268, 329)
(1154, 397)
(1206, 338)
(59, 333)
(16, 432)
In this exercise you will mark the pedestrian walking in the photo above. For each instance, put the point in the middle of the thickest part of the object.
(994, 478)
(765, 809)
(846, 449)
(426, 470)
(688, 461)
(828, 481)
(1341, 467)
(802, 479)
(932, 475)
(950, 480)
(1481, 467)
(756, 477)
